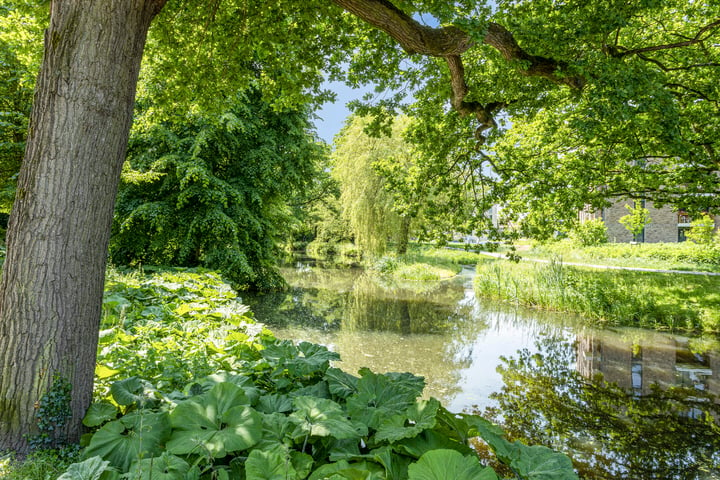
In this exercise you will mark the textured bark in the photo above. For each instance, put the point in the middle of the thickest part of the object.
(52, 280)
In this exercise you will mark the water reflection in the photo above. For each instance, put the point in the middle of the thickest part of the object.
(619, 403)
(623, 403)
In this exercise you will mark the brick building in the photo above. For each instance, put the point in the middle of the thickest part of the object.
(667, 225)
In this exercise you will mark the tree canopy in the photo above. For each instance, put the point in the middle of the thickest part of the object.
(215, 191)
(365, 199)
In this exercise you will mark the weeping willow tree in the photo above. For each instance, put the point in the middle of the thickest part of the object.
(364, 196)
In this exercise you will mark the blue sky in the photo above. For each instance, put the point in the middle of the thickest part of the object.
(333, 115)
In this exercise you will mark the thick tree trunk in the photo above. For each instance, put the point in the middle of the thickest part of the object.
(52, 281)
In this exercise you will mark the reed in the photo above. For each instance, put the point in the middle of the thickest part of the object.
(642, 299)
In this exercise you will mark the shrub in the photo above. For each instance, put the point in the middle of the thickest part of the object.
(701, 230)
(589, 233)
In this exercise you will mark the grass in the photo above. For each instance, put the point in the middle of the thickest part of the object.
(642, 299)
(665, 256)
(423, 263)
(39, 465)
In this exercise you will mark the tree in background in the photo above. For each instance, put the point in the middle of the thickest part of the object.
(215, 191)
(365, 201)
(636, 220)
(19, 62)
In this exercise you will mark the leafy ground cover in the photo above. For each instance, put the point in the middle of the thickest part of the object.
(618, 297)
(667, 256)
(189, 387)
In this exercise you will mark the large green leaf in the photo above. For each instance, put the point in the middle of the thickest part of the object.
(530, 462)
(277, 430)
(216, 422)
(379, 396)
(133, 437)
(429, 440)
(99, 413)
(90, 469)
(447, 464)
(341, 384)
(264, 465)
(128, 391)
(396, 466)
(416, 419)
(274, 403)
(324, 418)
(164, 467)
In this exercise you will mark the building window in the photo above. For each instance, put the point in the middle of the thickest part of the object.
(681, 234)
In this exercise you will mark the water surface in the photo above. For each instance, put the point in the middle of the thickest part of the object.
(624, 403)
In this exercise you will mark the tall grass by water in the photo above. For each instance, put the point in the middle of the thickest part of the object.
(670, 256)
(643, 299)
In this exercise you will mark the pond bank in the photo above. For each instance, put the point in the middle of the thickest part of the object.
(613, 296)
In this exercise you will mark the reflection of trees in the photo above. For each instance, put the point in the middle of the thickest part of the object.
(382, 306)
(609, 433)
(411, 326)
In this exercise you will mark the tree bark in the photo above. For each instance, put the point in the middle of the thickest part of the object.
(53, 277)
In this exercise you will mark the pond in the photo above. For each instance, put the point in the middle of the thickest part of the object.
(623, 403)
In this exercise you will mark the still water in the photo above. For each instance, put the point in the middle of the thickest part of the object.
(623, 403)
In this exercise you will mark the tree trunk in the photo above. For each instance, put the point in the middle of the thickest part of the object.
(403, 235)
(53, 277)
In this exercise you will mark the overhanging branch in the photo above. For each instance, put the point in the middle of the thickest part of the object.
(450, 43)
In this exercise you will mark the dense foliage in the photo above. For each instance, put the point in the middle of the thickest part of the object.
(676, 256)
(19, 61)
(630, 110)
(589, 233)
(215, 191)
(366, 203)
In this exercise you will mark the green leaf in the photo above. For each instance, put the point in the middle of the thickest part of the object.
(275, 403)
(263, 465)
(217, 422)
(379, 396)
(340, 383)
(99, 413)
(90, 469)
(396, 466)
(133, 437)
(530, 462)
(446, 464)
(419, 417)
(164, 467)
(430, 440)
(128, 391)
(343, 470)
(102, 371)
(323, 418)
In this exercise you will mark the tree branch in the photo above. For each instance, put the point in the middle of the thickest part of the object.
(696, 39)
(449, 43)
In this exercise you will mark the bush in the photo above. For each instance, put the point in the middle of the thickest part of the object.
(589, 233)
(701, 230)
